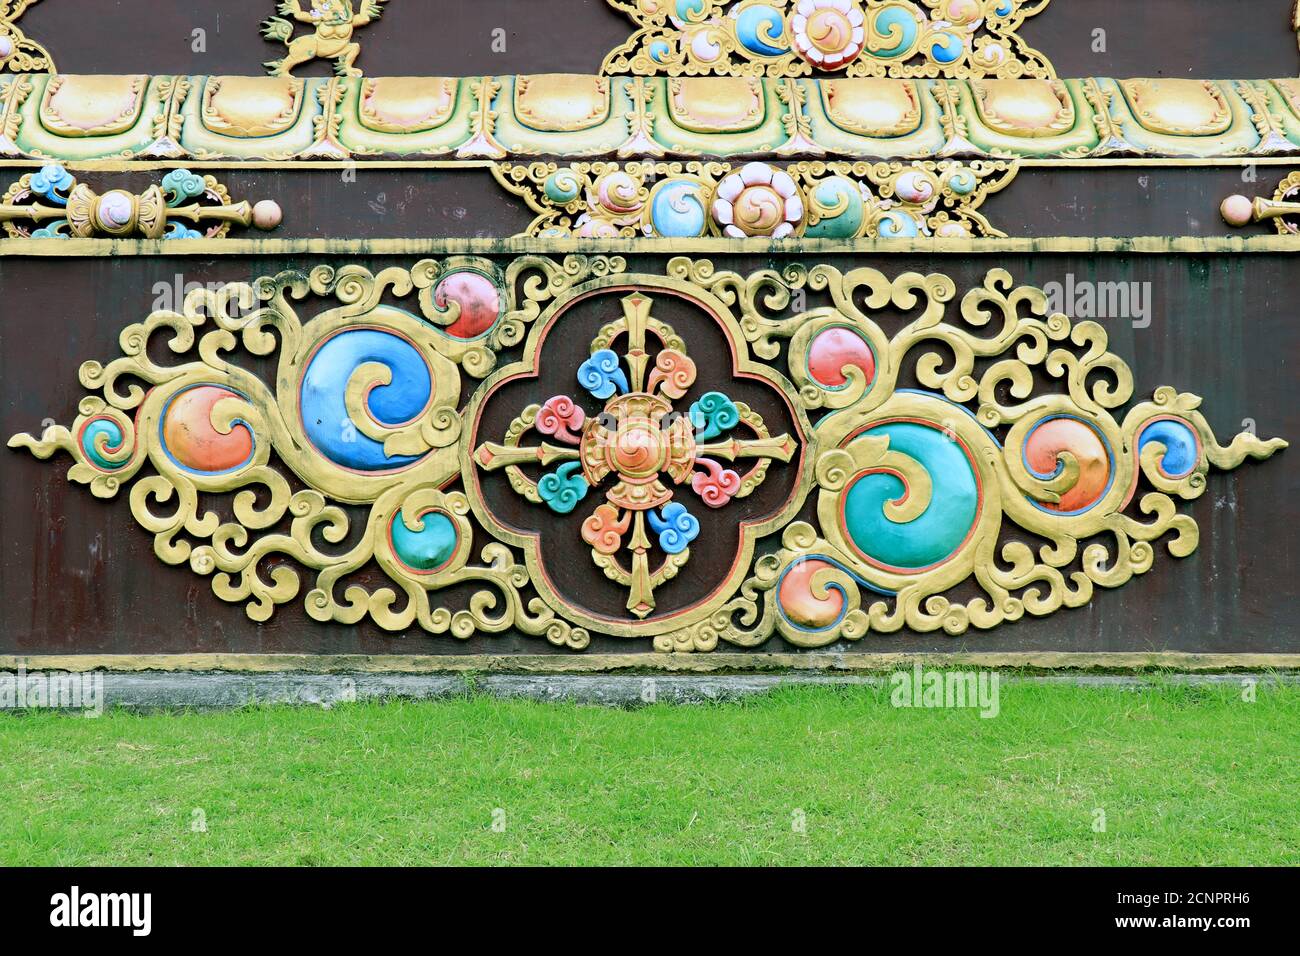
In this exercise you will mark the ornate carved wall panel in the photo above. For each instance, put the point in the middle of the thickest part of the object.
(793, 326)
(733, 471)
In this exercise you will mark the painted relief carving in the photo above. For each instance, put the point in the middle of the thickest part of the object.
(284, 119)
(76, 106)
(815, 200)
(640, 445)
(1283, 210)
(457, 427)
(52, 204)
(18, 52)
(334, 24)
(899, 38)
(70, 118)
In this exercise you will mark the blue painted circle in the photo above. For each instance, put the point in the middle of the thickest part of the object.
(1181, 449)
(947, 48)
(324, 391)
(677, 211)
(761, 30)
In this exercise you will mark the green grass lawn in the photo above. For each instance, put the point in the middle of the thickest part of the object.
(1183, 775)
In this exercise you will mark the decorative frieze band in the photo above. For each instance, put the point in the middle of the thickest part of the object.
(955, 38)
(73, 118)
(835, 454)
(814, 200)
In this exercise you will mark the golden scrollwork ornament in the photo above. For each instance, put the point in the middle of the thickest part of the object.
(18, 52)
(735, 469)
(896, 38)
(811, 199)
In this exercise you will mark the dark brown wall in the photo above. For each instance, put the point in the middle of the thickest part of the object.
(1200, 38)
(77, 575)
(385, 203)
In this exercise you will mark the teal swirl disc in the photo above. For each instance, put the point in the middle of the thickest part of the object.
(939, 531)
(90, 442)
(839, 202)
(900, 25)
(563, 186)
(428, 550)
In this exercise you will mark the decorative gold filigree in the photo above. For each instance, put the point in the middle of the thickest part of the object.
(18, 52)
(822, 200)
(900, 496)
(897, 38)
(640, 439)
(51, 204)
(1283, 210)
(915, 486)
(335, 420)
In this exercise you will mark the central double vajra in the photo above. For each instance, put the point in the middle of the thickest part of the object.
(643, 442)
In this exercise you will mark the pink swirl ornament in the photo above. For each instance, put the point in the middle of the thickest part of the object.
(674, 372)
(589, 228)
(915, 188)
(718, 487)
(479, 301)
(560, 417)
(835, 350)
(192, 440)
(619, 194)
(1043, 450)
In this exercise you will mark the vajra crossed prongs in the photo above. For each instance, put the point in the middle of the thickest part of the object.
(639, 439)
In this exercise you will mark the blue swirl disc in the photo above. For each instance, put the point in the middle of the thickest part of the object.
(761, 30)
(1181, 448)
(677, 210)
(429, 549)
(324, 397)
(896, 22)
(947, 48)
(939, 531)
